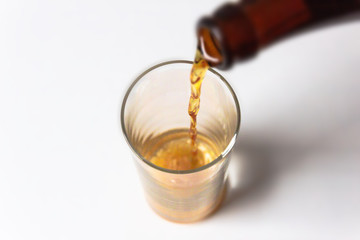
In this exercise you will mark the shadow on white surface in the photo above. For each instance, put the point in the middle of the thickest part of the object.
(316, 133)
(258, 167)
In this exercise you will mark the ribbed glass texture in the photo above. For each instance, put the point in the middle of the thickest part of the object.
(156, 103)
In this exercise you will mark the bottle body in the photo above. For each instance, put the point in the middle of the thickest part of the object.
(237, 31)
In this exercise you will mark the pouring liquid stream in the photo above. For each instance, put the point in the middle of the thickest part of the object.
(176, 149)
(197, 75)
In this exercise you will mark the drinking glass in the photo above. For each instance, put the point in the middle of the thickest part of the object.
(157, 102)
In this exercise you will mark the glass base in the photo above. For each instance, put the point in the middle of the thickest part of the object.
(189, 216)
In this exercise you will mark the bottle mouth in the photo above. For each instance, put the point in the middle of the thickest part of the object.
(210, 44)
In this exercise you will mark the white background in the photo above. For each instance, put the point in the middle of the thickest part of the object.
(66, 171)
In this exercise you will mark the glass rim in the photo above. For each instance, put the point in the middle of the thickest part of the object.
(223, 154)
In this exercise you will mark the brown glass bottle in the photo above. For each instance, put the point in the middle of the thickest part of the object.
(236, 31)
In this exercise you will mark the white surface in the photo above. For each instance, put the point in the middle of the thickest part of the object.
(65, 169)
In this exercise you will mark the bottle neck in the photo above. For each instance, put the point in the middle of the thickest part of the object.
(237, 31)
